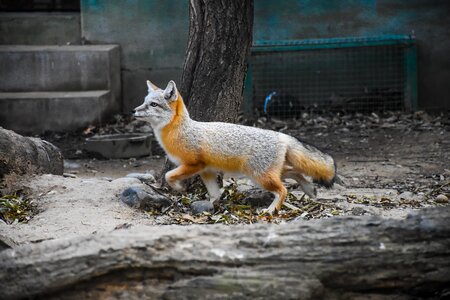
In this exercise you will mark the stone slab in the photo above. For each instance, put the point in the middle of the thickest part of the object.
(59, 68)
(38, 112)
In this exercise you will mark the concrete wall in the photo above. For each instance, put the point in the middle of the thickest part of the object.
(39, 28)
(428, 20)
(152, 35)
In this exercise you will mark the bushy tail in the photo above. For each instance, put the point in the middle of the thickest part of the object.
(310, 161)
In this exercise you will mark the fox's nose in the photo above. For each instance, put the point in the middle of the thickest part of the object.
(133, 111)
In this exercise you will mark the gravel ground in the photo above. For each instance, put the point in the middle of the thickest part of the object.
(391, 163)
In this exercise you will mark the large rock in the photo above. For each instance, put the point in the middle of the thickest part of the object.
(257, 197)
(25, 155)
(148, 199)
(199, 207)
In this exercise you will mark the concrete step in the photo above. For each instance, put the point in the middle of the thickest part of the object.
(40, 28)
(37, 112)
(59, 68)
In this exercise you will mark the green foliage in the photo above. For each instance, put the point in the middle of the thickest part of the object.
(15, 208)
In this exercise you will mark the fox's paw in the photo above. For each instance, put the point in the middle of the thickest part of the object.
(177, 186)
(312, 193)
(309, 190)
(271, 210)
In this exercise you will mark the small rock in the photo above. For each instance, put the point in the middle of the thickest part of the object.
(258, 198)
(147, 200)
(143, 177)
(123, 226)
(198, 207)
(6, 243)
(290, 181)
(106, 179)
(406, 195)
(441, 199)
(304, 215)
(69, 175)
(242, 188)
(126, 181)
(144, 129)
(391, 119)
(163, 220)
(358, 211)
(71, 165)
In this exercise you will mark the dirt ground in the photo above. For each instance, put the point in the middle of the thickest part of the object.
(390, 163)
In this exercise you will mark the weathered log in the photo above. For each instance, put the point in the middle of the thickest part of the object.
(27, 155)
(336, 258)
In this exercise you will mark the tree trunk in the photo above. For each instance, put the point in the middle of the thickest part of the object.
(336, 258)
(220, 37)
(212, 83)
(25, 155)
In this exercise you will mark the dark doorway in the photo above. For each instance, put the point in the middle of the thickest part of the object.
(39, 5)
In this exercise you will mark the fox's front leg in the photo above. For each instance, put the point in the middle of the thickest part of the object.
(180, 173)
(210, 181)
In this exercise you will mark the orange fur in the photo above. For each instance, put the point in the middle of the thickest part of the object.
(184, 172)
(271, 181)
(208, 175)
(222, 162)
(175, 147)
(315, 169)
(178, 106)
(171, 137)
(173, 142)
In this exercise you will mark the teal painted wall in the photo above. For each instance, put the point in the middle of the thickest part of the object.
(153, 34)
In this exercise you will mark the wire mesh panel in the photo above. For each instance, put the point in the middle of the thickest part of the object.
(365, 74)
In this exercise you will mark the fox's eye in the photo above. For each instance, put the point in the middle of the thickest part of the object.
(154, 104)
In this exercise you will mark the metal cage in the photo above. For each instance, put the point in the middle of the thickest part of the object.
(353, 74)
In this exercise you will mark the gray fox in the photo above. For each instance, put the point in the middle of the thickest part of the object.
(206, 148)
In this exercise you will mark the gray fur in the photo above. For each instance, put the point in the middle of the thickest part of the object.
(310, 150)
(261, 147)
(158, 116)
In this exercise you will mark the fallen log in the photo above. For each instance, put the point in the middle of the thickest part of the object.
(26, 155)
(336, 258)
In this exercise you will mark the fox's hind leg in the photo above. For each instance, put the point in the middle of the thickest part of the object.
(182, 172)
(272, 183)
(305, 185)
(210, 181)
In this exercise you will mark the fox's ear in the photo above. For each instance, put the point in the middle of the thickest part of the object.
(151, 86)
(170, 93)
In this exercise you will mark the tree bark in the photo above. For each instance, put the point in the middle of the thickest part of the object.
(220, 37)
(26, 155)
(212, 82)
(336, 258)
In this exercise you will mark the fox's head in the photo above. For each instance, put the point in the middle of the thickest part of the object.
(159, 105)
